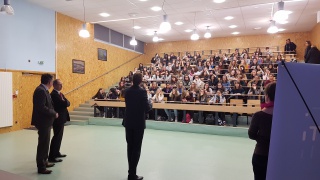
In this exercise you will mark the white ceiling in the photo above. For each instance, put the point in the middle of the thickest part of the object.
(247, 14)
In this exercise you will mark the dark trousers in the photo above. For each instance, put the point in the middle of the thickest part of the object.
(56, 140)
(259, 164)
(43, 146)
(134, 142)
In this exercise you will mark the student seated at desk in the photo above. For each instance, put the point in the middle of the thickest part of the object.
(173, 96)
(158, 98)
(113, 94)
(100, 95)
(187, 97)
(219, 98)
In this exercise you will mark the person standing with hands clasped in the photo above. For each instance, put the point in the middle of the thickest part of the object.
(260, 131)
(60, 103)
(43, 115)
(137, 105)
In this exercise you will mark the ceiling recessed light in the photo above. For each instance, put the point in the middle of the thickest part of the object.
(178, 23)
(235, 33)
(188, 30)
(257, 28)
(156, 8)
(160, 39)
(228, 18)
(136, 27)
(219, 1)
(233, 26)
(281, 29)
(104, 14)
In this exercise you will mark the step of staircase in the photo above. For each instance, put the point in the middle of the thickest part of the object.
(77, 122)
(82, 113)
(87, 109)
(85, 105)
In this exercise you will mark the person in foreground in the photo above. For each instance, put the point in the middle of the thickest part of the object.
(60, 103)
(260, 131)
(43, 115)
(137, 105)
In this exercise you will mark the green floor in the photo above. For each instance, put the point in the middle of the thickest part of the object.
(99, 152)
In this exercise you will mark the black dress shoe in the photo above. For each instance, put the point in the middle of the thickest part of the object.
(44, 171)
(61, 155)
(135, 177)
(54, 160)
(50, 165)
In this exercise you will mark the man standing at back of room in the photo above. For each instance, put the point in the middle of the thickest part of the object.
(290, 47)
(60, 103)
(43, 115)
(134, 121)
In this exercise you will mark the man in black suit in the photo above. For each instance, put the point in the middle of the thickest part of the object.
(137, 105)
(60, 103)
(290, 47)
(313, 56)
(43, 115)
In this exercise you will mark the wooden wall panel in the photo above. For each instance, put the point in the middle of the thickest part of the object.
(22, 105)
(315, 35)
(228, 43)
(71, 46)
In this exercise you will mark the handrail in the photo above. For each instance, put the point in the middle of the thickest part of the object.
(103, 74)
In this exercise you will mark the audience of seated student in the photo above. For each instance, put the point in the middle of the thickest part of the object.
(256, 80)
(207, 89)
(219, 98)
(140, 68)
(158, 97)
(268, 52)
(193, 90)
(252, 74)
(167, 90)
(167, 76)
(186, 81)
(153, 88)
(236, 53)
(224, 84)
(237, 90)
(259, 70)
(180, 87)
(272, 69)
(113, 94)
(213, 81)
(199, 84)
(266, 74)
(100, 95)
(204, 76)
(271, 79)
(174, 81)
(254, 91)
(173, 96)
(258, 52)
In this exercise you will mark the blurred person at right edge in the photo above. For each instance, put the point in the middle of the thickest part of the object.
(260, 131)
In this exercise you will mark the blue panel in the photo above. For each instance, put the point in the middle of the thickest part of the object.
(127, 40)
(101, 33)
(116, 38)
(28, 35)
(140, 47)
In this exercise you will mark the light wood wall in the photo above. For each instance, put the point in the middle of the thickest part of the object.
(71, 46)
(229, 43)
(315, 35)
(22, 105)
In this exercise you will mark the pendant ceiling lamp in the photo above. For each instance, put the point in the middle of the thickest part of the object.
(207, 34)
(281, 15)
(6, 8)
(165, 26)
(84, 33)
(195, 35)
(155, 37)
(133, 41)
(273, 28)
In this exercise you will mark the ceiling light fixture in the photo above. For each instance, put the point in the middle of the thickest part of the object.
(178, 23)
(235, 33)
(84, 32)
(207, 34)
(233, 26)
(219, 1)
(194, 35)
(155, 37)
(6, 8)
(273, 28)
(188, 30)
(133, 41)
(281, 14)
(104, 14)
(257, 28)
(156, 8)
(136, 27)
(228, 18)
(165, 26)
(281, 29)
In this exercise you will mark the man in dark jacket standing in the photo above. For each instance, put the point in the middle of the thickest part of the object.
(313, 56)
(290, 47)
(43, 115)
(137, 105)
(60, 103)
